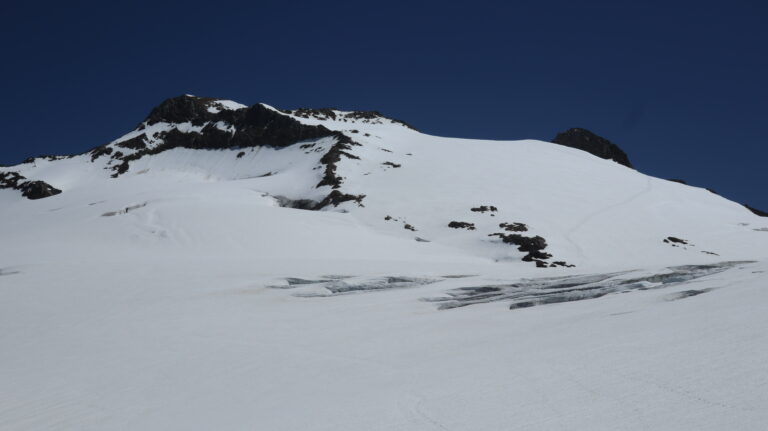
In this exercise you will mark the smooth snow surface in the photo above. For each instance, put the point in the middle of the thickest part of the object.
(182, 295)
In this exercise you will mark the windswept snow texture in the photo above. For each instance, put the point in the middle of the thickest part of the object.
(233, 288)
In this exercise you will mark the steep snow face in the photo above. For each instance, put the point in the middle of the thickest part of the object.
(425, 192)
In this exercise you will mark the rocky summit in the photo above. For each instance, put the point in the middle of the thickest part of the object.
(585, 140)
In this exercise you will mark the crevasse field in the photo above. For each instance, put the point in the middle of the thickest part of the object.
(185, 294)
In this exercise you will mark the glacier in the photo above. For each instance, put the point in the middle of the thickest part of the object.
(217, 284)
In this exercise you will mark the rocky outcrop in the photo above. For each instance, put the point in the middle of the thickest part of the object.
(532, 245)
(181, 109)
(11, 180)
(221, 127)
(461, 225)
(29, 189)
(247, 127)
(585, 140)
(333, 156)
(323, 114)
(677, 180)
(484, 208)
(38, 190)
(514, 227)
(672, 240)
(336, 197)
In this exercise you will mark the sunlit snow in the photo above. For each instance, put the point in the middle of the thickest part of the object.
(185, 295)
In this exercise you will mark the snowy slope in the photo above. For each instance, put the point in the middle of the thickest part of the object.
(593, 213)
(181, 281)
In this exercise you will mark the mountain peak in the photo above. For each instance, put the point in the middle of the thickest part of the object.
(188, 108)
(504, 204)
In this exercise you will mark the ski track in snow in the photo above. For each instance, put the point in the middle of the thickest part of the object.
(573, 230)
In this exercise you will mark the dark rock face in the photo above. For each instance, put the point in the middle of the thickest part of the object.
(333, 156)
(11, 180)
(533, 245)
(253, 126)
(374, 117)
(676, 242)
(585, 140)
(320, 113)
(100, 151)
(136, 143)
(484, 209)
(249, 127)
(756, 211)
(514, 227)
(181, 109)
(336, 197)
(461, 225)
(301, 204)
(38, 190)
(29, 189)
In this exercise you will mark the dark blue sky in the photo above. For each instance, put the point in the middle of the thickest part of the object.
(680, 86)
